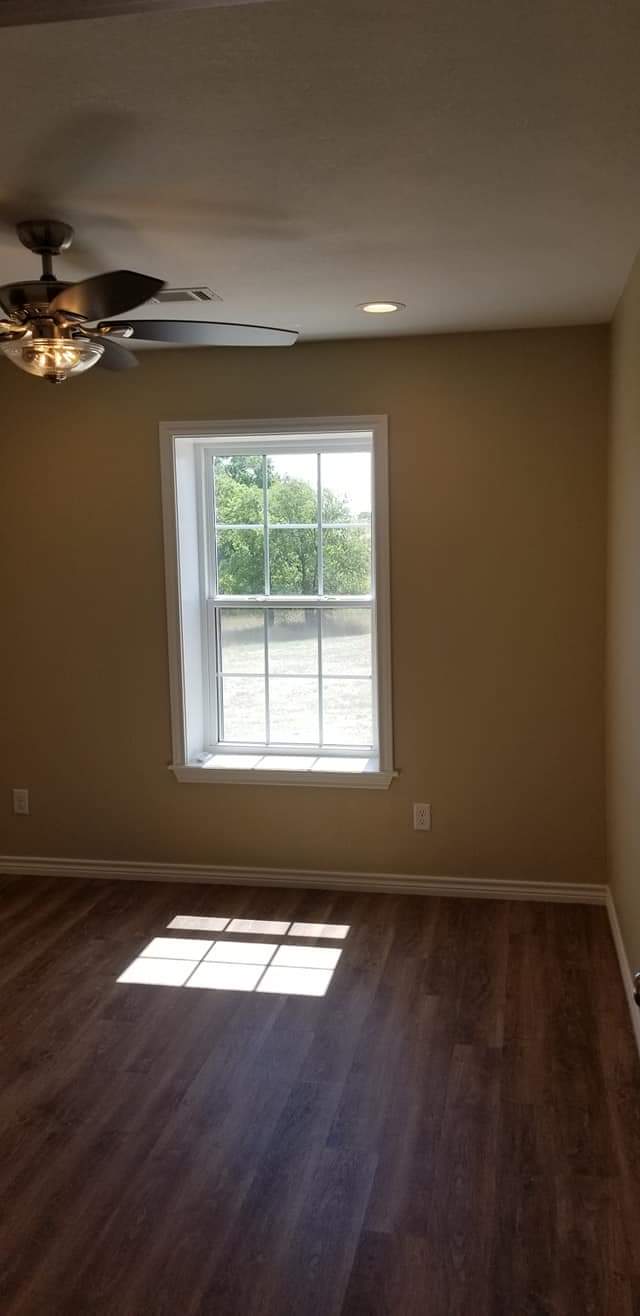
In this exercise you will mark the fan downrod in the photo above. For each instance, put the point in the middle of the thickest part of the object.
(45, 238)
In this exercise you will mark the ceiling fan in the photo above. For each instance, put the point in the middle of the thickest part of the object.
(56, 330)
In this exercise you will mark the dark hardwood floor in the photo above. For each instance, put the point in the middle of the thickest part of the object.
(452, 1130)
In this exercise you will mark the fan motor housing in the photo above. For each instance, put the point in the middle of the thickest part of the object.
(22, 299)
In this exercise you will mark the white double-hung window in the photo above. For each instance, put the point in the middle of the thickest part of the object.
(276, 538)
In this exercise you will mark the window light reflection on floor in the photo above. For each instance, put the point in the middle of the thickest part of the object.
(226, 977)
(268, 927)
(257, 926)
(307, 957)
(242, 952)
(231, 965)
(177, 948)
(158, 973)
(337, 931)
(197, 923)
(296, 982)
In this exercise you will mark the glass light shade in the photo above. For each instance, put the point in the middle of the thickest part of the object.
(55, 359)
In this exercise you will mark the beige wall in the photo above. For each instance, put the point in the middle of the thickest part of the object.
(498, 471)
(623, 667)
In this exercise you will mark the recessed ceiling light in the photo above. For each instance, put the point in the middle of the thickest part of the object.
(381, 308)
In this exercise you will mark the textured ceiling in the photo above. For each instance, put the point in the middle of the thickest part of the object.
(476, 161)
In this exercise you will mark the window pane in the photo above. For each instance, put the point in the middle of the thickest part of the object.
(293, 641)
(242, 640)
(238, 487)
(243, 710)
(293, 711)
(293, 561)
(347, 712)
(346, 486)
(240, 561)
(347, 560)
(346, 642)
(269, 693)
(293, 488)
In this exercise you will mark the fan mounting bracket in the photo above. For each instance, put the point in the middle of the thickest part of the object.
(45, 237)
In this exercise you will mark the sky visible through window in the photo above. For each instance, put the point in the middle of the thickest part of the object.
(348, 476)
(227, 963)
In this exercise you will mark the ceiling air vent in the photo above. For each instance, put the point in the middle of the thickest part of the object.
(176, 295)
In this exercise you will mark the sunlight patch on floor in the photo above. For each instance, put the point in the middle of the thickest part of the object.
(226, 977)
(296, 982)
(242, 952)
(307, 957)
(157, 973)
(258, 927)
(336, 931)
(197, 923)
(222, 964)
(177, 948)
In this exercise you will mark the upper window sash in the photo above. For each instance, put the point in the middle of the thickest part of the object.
(316, 443)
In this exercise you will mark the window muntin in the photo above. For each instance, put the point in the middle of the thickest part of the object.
(291, 602)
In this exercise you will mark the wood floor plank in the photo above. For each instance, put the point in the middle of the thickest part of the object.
(253, 1266)
(391, 1274)
(369, 1291)
(593, 1271)
(524, 1256)
(323, 1246)
(464, 1184)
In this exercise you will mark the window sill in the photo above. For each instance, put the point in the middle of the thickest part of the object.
(368, 777)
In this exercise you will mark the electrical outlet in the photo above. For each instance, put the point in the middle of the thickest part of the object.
(20, 799)
(422, 817)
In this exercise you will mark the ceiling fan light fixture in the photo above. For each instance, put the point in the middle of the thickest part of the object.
(51, 332)
(53, 359)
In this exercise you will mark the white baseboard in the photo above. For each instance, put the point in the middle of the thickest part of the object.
(625, 967)
(400, 883)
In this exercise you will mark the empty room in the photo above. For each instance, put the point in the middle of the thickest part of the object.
(320, 658)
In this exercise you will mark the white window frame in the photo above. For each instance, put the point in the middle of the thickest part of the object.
(185, 449)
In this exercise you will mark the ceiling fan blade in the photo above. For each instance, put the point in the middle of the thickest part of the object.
(201, 333)
(107, 294)
(14, 13)
(114, 356)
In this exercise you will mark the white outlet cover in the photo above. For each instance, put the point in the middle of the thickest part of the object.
(422, 817)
